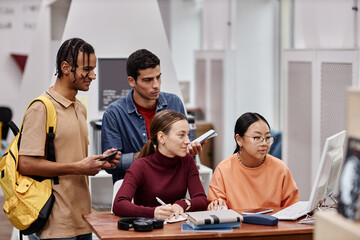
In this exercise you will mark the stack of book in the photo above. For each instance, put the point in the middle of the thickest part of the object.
(217, 220)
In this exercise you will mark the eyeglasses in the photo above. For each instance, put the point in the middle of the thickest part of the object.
(258, 140)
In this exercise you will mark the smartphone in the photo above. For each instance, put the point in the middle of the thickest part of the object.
(209, 134)
(109, 156)
(257, 211)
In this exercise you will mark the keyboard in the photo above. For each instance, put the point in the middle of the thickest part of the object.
(293, 212)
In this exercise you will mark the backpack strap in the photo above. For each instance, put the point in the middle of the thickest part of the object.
(51, 121)
(15, 131)
(50, 113)
(13, 127)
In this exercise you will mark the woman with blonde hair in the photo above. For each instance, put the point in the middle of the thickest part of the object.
(165, 170)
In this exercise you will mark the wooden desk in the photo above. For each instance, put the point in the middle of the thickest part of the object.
(104, 225)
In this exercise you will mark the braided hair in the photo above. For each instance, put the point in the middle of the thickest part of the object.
(69, 52)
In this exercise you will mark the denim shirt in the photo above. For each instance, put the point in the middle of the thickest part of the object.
(123, 127)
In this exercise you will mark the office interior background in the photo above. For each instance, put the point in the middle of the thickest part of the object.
(289, 60)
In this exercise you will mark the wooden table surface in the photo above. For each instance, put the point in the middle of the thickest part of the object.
(104, 225)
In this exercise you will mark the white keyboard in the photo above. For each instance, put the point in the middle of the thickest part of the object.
(293, 212)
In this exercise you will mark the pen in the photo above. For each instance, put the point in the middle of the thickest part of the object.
(160, 201)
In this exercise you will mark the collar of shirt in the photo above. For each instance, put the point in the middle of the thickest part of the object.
(164, 161)
(59, 98)
(161, 103)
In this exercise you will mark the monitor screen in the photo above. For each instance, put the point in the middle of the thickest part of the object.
(328, 170)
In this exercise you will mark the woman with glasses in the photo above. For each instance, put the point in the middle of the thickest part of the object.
(251, 178)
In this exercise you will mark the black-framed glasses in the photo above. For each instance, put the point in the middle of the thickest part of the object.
(259, 139)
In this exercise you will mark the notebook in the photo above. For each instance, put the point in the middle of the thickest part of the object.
(214, 217)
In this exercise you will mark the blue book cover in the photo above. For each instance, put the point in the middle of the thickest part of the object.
(187, 228)
(213, 226)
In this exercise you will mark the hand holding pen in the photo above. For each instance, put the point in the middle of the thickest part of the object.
(167, 211)
(160, 201)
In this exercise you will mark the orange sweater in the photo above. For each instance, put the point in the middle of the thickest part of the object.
(270, 185)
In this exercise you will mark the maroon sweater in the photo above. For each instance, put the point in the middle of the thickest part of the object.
(159, 176)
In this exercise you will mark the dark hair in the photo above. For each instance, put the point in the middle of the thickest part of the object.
(162, 121)
(69, 52)
(244, 122)
(140, 60)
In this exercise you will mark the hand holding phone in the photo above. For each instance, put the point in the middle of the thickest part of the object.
(209, 134)
(257, 211)
(109, 156)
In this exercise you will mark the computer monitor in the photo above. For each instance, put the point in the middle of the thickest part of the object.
(328, 171)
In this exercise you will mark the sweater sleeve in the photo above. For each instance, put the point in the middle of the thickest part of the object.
(196, 191)
(123, 205)
(290, 191)
(216, 186)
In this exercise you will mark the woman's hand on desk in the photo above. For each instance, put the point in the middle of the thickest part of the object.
(217, 204)
(178, 210)
(163, 212)
(168, 211)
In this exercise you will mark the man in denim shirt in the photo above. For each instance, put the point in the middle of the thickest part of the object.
(126, 122)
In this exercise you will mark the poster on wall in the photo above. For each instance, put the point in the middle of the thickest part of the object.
(113, 83)
(19, 16)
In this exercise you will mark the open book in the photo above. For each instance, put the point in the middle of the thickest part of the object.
(214, 217)
(209, 134)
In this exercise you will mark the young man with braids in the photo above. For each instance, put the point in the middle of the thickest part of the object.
(75, 64)
(126, 122)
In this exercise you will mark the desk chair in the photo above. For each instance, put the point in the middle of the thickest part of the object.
(116, 188)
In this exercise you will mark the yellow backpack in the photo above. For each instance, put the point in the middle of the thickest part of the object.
(28, 199)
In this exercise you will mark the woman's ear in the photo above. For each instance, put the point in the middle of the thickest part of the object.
(161, 138)
(238, 140)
